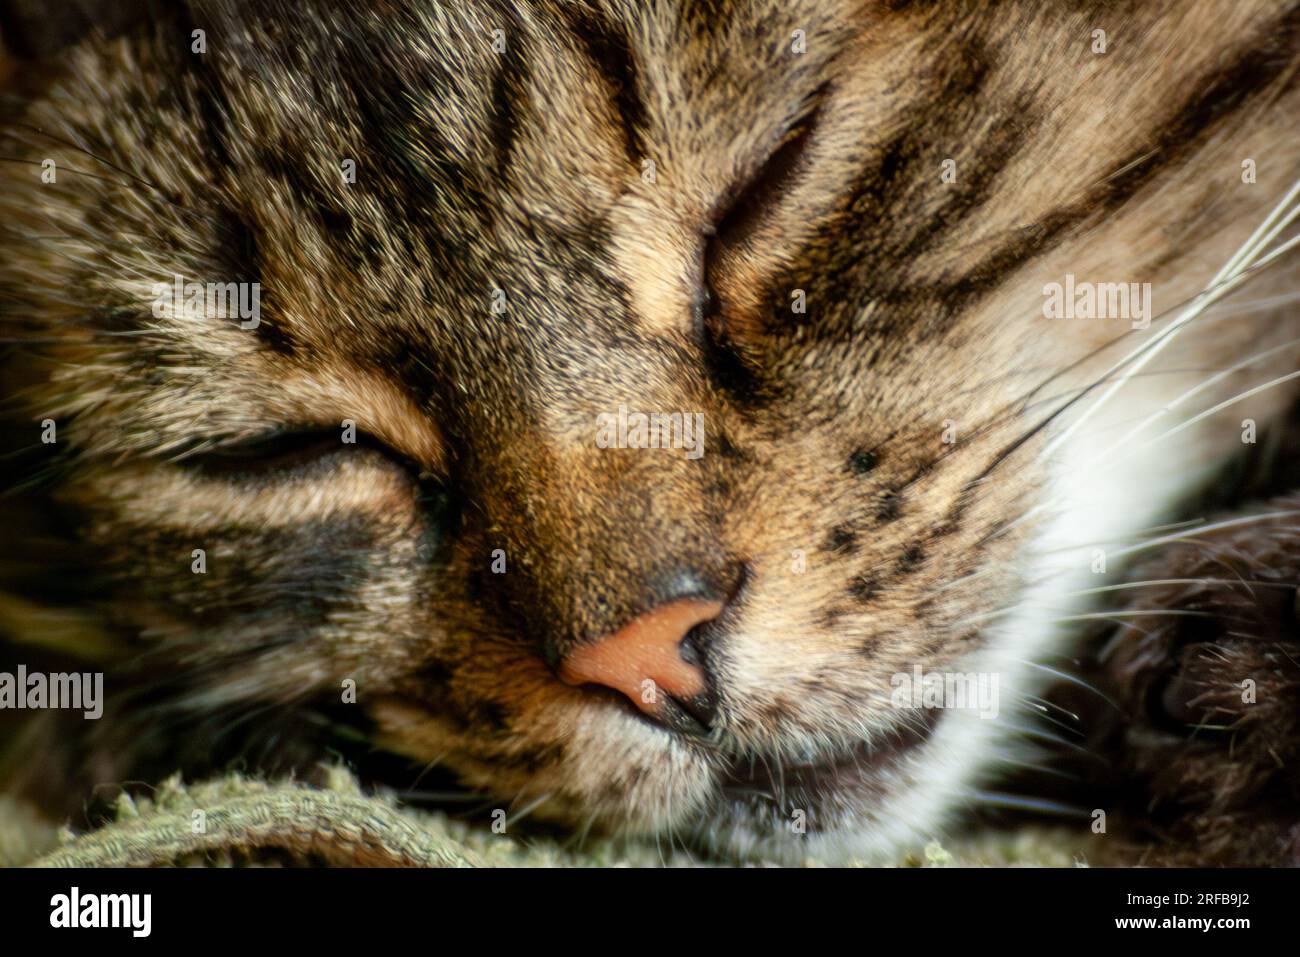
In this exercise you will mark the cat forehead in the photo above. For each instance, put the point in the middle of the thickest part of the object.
(429, 174)
(394, 183)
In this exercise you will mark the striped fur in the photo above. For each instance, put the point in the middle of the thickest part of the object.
(896, 433)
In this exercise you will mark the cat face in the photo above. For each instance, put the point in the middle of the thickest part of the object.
(416, 357)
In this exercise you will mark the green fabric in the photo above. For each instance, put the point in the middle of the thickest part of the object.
(235, 821)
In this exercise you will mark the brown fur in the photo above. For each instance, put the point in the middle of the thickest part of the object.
(523, 171)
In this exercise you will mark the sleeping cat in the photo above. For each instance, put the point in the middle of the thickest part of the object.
(352, 353)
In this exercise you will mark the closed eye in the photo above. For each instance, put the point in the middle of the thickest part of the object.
(283, 452)
(741, 212)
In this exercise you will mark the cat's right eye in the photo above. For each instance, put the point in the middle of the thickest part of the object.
(281, 453)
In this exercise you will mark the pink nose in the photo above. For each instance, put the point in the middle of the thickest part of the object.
(643, 660)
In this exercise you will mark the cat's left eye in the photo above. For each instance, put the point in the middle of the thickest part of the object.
(738, 216)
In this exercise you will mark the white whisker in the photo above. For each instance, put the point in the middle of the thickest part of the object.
(1201, 386)
(1211, 527)
(1227, 402)
(1224, 281)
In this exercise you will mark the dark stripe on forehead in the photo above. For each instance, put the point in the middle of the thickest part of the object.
(403, 162)
(1231, 88)
(707, 22)
(893, 211)
(888, 198)
(1234, 86)
(212, 103)
(606, 45)
(509, 102)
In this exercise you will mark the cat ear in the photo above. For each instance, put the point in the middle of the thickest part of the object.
(31, 29)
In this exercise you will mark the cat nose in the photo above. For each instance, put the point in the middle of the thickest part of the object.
(651, 663)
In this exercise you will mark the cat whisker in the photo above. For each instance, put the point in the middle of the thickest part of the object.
(1161, 582)
(429, 766)
(1256, 390)
(1236, 522)
(1199, 387)
(1043, 703)
(1045, 769)
(1038, 711)
(1073, 680)
(1041, 734)
(1019, 802)
(1231, 274)
(1121, 614)
(528, 809)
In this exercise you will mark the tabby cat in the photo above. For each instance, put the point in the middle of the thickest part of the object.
(938, 313)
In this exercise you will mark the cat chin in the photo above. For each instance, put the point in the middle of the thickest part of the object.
(874, 816)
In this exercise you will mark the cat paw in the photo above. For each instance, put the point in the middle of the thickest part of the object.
(1204, 749)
